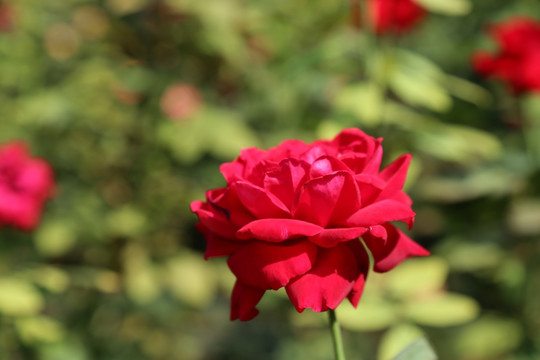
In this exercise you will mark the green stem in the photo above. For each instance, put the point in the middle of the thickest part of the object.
(336, 335)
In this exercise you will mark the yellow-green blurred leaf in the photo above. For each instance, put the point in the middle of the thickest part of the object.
(457, 143)
(39, 329)
(52, 278)
(141, 282)
(363, 100)
(126, 221)
(445, 309)
(190, 279)
(417, 276)
(376, 314)
(396, 339)
(447, 7)
(54, 238)
(489, 337)
(524, 216)
(418, 350)
(18, 297)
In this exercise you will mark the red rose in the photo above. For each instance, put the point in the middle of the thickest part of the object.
(395, 16)
(25, 184)
(292, 217)
(516, 62)
(6, 17)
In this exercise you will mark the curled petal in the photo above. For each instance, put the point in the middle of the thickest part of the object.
(328, 283)
(391, 251)
(331, 237)
(213, 219)
(329, 199)
(381, 212)
(277, 230)
(216, 245)
(284, 181)
(260, 203)
(270, 266)
(243, 301)
(395, 175)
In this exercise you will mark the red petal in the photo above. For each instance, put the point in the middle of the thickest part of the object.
(270, 266)
(329, 199)
(395, 175)
(243, 301)
(389, 252)
(331, 237)
(260, 203)
(216, 245)
(285, 180)
(328, 283)
(277, 230)
(381, 212)
(362, 259)
(213, 219)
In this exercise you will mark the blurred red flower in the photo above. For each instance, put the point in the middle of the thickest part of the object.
(395, 16)
(292, 217)
(517, 61)
(179, 101)
(6, 18)
(25, 184)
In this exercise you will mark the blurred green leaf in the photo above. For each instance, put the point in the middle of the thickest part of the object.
(190, 279)
(417, 276)
(55, 237)
(354, 100)
(418, 350)
(489, 337)
(446, 309)
(141, 281)
(396, 339)
(447, 7)
(39, 329)
(19, 298)
(371, 315)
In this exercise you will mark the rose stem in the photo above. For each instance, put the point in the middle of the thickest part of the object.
(336, 335)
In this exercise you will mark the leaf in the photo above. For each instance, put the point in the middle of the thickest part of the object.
(141, 281)
(457, 143)
(191, 280)
(371, 315)
(447, 7)
(418, 350)
(39, 329)
(55, 238)
(418, 81)
(363, 101)
(447, 309)
(396, 339)
(489, 338)
(18, 297)
(417, 276)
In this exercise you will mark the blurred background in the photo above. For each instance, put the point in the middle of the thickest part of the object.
(136, 103)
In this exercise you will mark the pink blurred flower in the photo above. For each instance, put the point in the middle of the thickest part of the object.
(395, 16)
(25, 183)
(6, 17)
(179, 101)
(517, 60)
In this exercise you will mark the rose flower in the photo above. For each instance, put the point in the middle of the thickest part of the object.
(293, 216)
(518, 58)
(395, 16)
(25, 184)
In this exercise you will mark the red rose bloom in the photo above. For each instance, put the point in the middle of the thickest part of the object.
(517, 61)
(395, 16)
(6, 18)
(25, 184)
(292, 217)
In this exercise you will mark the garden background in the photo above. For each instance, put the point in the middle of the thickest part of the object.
(136, 103)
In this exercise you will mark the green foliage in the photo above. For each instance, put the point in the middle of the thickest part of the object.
(116, 271)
